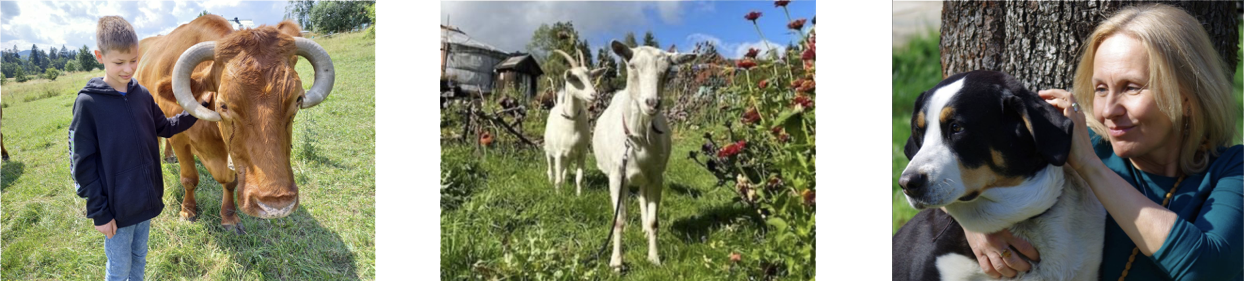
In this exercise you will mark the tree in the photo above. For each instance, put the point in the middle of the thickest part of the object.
(339, 16)
(1039, 42)
(36, 59)
(559, 36)
(630, 40)
(20, 75)
(300, 12)
(650, 40)
(609, 80)
(72, 65)
(203, 13)
(86, 60)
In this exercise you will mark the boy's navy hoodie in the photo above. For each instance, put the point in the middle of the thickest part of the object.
(115, 154)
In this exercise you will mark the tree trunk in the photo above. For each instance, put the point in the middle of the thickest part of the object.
(1039, 42)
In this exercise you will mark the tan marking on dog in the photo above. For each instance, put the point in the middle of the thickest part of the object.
(1027, 123)
(983, 178)
(920, 120)
(946, 113)
(998, 161)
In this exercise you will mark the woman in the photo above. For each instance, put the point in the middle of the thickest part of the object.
(1159, 102)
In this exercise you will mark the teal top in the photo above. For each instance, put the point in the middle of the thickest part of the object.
(1206, 243)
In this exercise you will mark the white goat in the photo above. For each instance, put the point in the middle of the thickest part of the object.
(632, 140)
(565, 134)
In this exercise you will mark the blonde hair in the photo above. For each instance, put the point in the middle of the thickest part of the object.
(1182, 65)
(114, 34)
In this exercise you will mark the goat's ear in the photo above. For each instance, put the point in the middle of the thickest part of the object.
(621, 49)
(597, 72)
(683, 58)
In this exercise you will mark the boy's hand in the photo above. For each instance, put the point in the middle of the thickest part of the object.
(108, 229)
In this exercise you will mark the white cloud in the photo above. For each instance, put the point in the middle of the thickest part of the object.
(732, 50)
(72, 23)
(508, 25)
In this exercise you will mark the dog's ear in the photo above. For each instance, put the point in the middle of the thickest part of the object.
(917, 132)
(1050, 130)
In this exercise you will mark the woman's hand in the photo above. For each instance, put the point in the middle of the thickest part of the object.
(1081, 147)
(996, 253)
(108, 229)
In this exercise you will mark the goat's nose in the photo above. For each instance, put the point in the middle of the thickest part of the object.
(913, 182)
(654, 103)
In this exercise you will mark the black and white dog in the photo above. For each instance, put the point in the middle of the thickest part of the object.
(991, 153)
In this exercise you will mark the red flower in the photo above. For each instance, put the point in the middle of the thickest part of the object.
(752, 16)
(764, 83)
(780, 3)
(732, 149)
(735, 257)
(804, 101)
(796, 24)
(751, 116)
(747, 63)
(808, 86)
(810, 52)
(796, 83)
(752, 52)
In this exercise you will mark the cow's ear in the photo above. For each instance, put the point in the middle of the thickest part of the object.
(290, 28)
(164, 88)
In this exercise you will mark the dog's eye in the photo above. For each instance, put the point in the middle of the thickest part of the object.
(956, 128)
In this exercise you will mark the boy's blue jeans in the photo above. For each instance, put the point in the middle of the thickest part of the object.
(127, 252)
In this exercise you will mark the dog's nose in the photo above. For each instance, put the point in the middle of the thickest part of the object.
(913, 182)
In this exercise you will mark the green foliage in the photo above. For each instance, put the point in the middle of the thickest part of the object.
(916, 68)
(630, 40)
(340, 16)
(72, 66)
(203, 13)
(300, 12)
(769, 158)
(9, 69)
(51, 74)
(559, 36)
(86, 59)
(20, 75)
(459, 177)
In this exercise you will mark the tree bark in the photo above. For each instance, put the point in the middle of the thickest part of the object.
(1039, 42)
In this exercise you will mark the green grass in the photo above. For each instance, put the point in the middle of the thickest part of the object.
(512, 208)
(917, 68)
(330, 237)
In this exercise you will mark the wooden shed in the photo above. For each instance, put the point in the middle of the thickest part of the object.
(521, 72)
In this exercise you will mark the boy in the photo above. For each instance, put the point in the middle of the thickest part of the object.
(112, 142)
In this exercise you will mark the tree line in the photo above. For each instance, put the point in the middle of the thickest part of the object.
(50, 63)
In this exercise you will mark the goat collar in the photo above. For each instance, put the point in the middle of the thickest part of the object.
(581, 111)
(628, 130)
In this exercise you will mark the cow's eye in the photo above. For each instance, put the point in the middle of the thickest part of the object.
(224, 106)
(300, 99)
(956, 128)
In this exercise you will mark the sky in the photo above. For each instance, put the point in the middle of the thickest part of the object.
(72, 24)
(508, 25)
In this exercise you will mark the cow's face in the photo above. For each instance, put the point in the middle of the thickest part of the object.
(977, 131)
(647, 69)
(258, 94)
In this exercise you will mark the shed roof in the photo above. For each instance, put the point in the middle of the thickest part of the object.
(524, 63)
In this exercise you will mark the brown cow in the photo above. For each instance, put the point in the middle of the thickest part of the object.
(243, 82)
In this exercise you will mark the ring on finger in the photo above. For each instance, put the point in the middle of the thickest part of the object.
(1006, 253)
(1075, 106)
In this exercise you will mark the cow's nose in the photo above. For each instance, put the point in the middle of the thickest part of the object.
(653, 103)
(913, 182)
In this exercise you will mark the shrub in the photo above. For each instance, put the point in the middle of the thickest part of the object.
(72, 66)
(51, 74)
(20, 75)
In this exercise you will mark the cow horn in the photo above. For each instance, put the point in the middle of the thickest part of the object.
(573, 63)
(324, 72)
(181, 79)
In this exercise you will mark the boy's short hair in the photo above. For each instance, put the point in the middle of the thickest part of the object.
(114, 33)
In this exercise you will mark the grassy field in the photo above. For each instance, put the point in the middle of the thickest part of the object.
(330, 237)
(917, 68)
(510, 221)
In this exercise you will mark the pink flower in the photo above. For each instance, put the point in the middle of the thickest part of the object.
(735, 257)
(764, 83)
(796, 24)
(780, 3)
(752, 16)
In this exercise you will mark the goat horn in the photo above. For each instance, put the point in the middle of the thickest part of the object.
(581, 61)
(573, 63)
